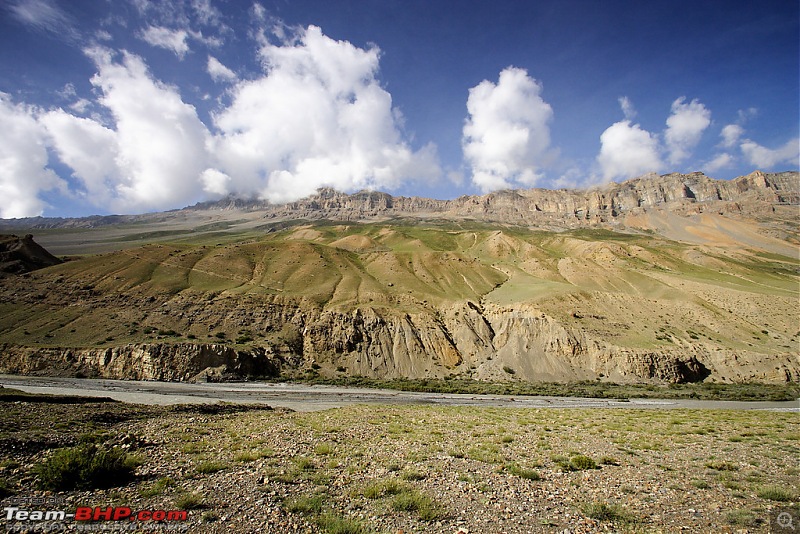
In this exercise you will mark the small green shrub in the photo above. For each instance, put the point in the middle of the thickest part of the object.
(607, 512)
(304, 464)
(509, 370)
(580, 462)
(246, 456)
(521, 472)
(323, 449)
(381, 488)
(86, 466)
(158, 487)
(743, 518)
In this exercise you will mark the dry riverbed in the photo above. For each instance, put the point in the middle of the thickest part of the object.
(433, 469)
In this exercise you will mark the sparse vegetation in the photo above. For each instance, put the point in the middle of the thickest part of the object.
(189, 501)
(607, 512)
(743, 518)
(411, 500)
(306, 505)
(721, 465)
(529, 474)
(209, 467)
(775, 493)
(382, 468)
(590, 389)
(85, 467)
(577, 462)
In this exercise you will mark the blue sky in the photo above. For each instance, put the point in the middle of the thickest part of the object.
(128, 106)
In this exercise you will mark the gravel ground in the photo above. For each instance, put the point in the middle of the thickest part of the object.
(406, 469)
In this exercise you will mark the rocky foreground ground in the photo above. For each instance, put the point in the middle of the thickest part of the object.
(420, 469)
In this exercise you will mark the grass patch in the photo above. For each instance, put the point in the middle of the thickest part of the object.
(413, 475)
(775, 493)
(381, 488)
(577, 462)
(209, 467)
(323, 449)
(414, 501)
(158, 487)
(85, 467)
(607, 512)
(305, 505)
(720, 465)
(521, 472)
(332, 523)
(743, 518)
(189, 501)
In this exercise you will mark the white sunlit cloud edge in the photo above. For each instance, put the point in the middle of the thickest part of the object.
(155, 153)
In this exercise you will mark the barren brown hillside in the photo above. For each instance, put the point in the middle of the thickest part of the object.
(674, 278)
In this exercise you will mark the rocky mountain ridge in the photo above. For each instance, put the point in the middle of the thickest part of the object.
(756, 194)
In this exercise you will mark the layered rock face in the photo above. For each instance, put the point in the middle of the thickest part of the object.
(681, 193)
(463, 339)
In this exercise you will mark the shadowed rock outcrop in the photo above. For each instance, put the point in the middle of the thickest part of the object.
(20, 255)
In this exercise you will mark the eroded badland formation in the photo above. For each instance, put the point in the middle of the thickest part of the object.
(669, 278)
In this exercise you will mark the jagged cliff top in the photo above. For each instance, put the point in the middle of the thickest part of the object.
(649, 190)
(755, 194)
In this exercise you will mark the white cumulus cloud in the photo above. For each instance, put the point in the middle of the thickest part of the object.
(767, 158)
(173, 40)
(153, 154)
(23, 162)
(719, 162)
(89, 149)
(317, 117)
(626, 150)
(685, 126)
(161, 141)
(506, 137)
(731, 134)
